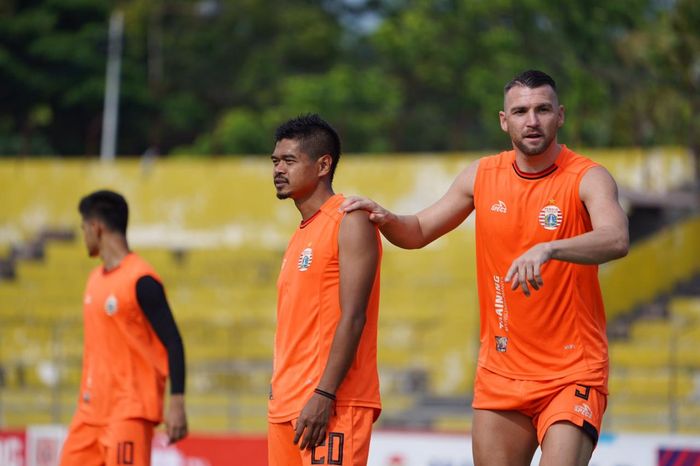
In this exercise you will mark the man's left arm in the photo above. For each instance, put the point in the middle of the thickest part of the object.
(151, 297)
(358, 246)
(608, 240)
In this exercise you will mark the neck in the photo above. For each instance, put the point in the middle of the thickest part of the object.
(309, 205)
(539, 162)
(113, 251)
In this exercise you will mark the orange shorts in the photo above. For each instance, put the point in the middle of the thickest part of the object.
(347, 440)
(126, 442)
(581, 401)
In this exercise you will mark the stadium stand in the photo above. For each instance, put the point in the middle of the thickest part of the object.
(215, 232)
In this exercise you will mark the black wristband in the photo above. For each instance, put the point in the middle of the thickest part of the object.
(324, 393)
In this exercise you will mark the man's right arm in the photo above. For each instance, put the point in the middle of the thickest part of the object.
(417, 230)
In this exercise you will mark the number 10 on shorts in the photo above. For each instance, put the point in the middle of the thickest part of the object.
(125, 453)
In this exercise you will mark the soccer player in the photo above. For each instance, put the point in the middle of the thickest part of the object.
(546, 217)
(131, 344)
(324, 394)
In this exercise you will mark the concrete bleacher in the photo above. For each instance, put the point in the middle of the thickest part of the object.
(216, 233)
(227, 321)
(653, 267)
(655, 377)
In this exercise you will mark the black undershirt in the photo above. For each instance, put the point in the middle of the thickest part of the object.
(151, 298)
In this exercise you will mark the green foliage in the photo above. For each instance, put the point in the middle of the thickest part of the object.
(238, 131)
(361, 105)
(456, 56)
(217, 77)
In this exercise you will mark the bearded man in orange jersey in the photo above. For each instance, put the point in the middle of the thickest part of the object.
(324, 393)
(131, 344)
(546, 217)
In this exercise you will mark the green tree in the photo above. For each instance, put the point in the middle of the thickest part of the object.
(216, 76)
(683, 70)
(184, 64)
(361, 105)
(661, 100)
(453, 57)
(233, 57)
(51, 73)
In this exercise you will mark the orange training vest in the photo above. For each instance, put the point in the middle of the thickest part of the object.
(560, 329)
(124, 362)
(308, 311)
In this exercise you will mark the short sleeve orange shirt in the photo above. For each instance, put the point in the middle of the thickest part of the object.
(124, 362)
(560, 329)
(308, 311)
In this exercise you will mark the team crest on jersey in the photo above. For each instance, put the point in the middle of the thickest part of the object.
(111, 306)
(501, 344)
(550, 216)
(305, 259)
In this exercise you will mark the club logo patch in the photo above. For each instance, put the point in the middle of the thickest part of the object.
(501, 344)
(305, 259)
(111, 306)
(550, 216)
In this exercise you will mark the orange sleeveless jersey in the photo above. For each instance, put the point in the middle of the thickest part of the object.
(308, 311)
(560, 329)
(124, 362)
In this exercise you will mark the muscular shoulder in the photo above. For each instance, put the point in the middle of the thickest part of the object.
(356, 230)
(597, 180)
(357, 220)
(464, 183)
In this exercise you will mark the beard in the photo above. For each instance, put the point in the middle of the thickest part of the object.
(281, 195)
(533, 150)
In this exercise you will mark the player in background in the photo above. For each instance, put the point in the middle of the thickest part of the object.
(131, 344)
(546, 217)
(324, 394)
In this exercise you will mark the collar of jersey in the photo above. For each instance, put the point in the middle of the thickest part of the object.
(537, 175)
(335, 198)
(310, 219)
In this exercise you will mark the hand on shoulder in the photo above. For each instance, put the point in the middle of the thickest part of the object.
(376, 213)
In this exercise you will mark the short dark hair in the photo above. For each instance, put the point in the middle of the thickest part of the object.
(107, 206)
(531, 79)
(316, 137)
